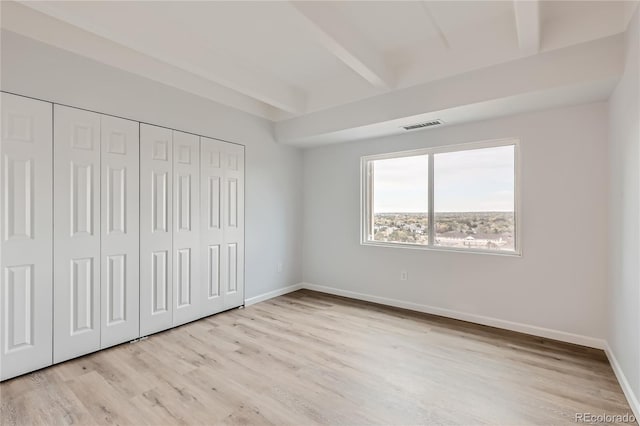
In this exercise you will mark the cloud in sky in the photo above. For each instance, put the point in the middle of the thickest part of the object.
(465, 181)
(401, 185)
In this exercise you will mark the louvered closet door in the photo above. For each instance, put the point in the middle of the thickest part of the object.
(156, 225)
(26, 280)
(211, 234)
(233, 223)
(120, 233)
(76, 233)
(186, 238)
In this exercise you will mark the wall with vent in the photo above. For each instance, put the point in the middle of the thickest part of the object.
(558, 288)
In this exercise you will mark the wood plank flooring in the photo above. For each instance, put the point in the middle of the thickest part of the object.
(307, 358)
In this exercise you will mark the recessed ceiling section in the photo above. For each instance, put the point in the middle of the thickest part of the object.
(565, 23)
(265, 35)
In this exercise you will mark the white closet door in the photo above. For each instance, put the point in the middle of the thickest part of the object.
(120, 289)
(233, 220)
(186, 238)
(26, 281)
(156, 225)
(211, 234)
(76, 233)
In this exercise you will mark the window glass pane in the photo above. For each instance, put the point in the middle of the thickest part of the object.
(474, 199)
(400, 200)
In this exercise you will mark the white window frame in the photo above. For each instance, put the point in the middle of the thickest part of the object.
(366, 209)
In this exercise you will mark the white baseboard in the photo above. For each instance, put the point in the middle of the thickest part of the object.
(478, 319)
(563, 336)
(271, 294)
(634, 403)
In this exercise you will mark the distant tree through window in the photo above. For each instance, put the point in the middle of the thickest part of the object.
(401, 199)
(462, 198)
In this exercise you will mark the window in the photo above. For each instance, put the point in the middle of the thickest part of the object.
(401, 200)
(461, 197)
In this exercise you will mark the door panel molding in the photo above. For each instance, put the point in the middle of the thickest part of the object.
(76, 212)
(120, 236)
(156, 226)
(26, 232)
(186, 238)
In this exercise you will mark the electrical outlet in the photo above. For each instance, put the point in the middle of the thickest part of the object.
(404, 276)
(279, 267)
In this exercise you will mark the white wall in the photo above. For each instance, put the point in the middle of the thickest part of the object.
(560, 281)
(624, 219)
(273, 172)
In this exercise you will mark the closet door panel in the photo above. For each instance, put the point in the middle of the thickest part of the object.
(26, 281)
(156, 226)
(233, 223)
(186, 211)
(76, 233)
(120, 231)
(211, 225)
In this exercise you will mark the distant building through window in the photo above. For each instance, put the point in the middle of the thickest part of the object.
(461, 197)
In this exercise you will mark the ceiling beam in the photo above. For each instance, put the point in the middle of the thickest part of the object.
(217, 68)
(582, 73)
(328, 27)
(527, 14)
(434, 24)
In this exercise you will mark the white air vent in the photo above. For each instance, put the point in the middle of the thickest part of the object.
(423, 125)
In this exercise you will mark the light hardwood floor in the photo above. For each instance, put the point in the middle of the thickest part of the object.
(308, 358)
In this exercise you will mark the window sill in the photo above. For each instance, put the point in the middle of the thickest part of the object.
(442, 249)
